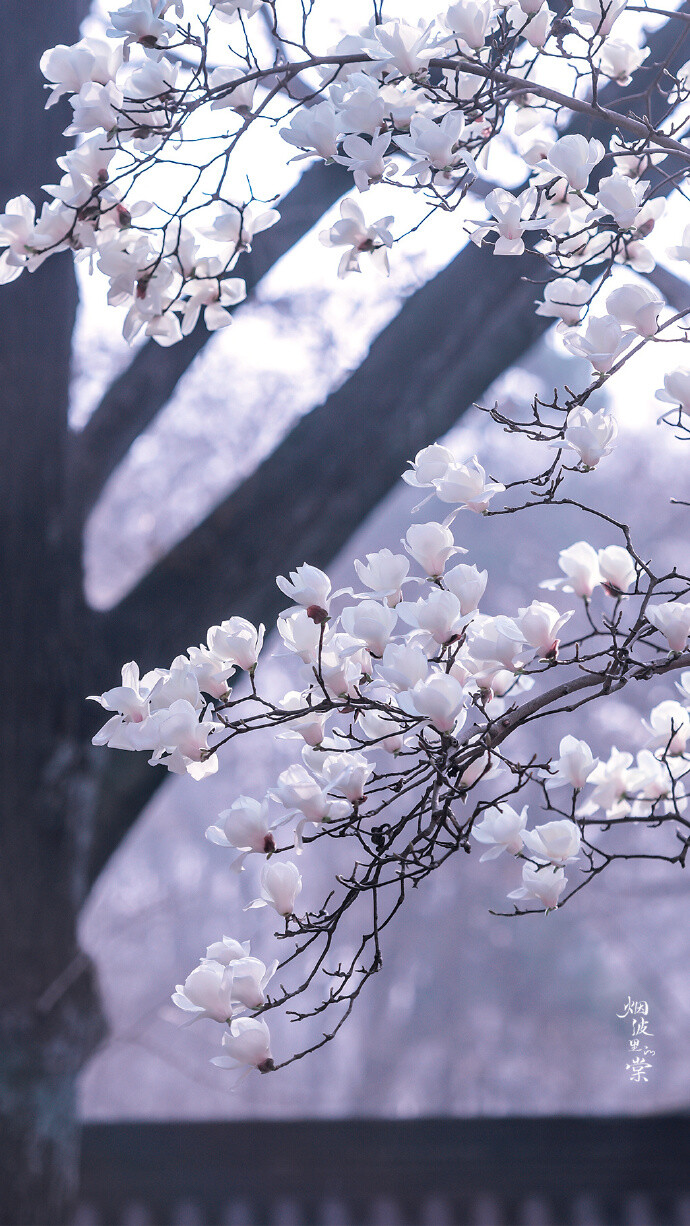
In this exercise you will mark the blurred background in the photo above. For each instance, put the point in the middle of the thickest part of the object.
(149, 493)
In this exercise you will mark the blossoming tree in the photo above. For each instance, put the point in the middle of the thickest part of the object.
(408, 697)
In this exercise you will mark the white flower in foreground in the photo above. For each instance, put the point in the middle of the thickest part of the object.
(212, 671)
(382, 728)
(501, 827)
(676, 389)
(247, 1042)
(438, 614)
(544, 882)
(307, 586)
(622, 198)
(237, 640)
(403, 665)
(230, 89)
(346, 771)
(580, 566)
(435, 146)
(672, 618)
(68, 68)
(298, 789)
(281, 882)
(245, 825)
(231, 10)
(507, 218)
(371, 623)
(400, 46)
(249, 978)
(619, 59)
(428, 464)
(316, 130)
(558, 842)
(617, 569)
(227, 950)
(540, 625)
(669, 724)
(440, 698)
(612, 782)
(537, 28)
(431, 545)
(353, 232)
(599, 14)
(467, 484)
(574, 764)
(497, 640)
(602, 342)
(591, 435)
(310, 726)
(364, 158)
(575, 157)
(638, 306)
(206, 992)
(384, 574)
(657, 785)
(564, 299)
(301, 634)
(468, 584)
(471, 20)
(131, 699)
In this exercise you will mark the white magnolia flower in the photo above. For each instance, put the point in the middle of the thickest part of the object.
(638, 306)
(574, 764)
(441, 698)
(384, 574)
(227, 950)
(212, 671)
(544, 882)
(558, 842)
(622, 198)
(230, 89)
(602, 343)
(438, 614)
(248, 979)
(580, 566)
(431, 545)
(403, 665)
(501, 828)
(345, 771)
(428, 464)
(467, 485)
(365, 158)
(468, 584)
(309, 726)
(591, 435)
(245, 825)
(236, 223)
(237, 640)
(436, 146)
(672, 618)
(471, 20)
(353, 232)
(68, 68)
(206, 992)
(298, 789)
(281, 882)
(540, 624)
(511, 218)
(618, 60)
(564, 299)
(247, 1042)
(400, 46)
(575, 157)
(598, 14)
(316, 130)
(301, 634)
(370, 623)
(498, 641)
(612, 782)
(617, 569)
(307, 586)
(382, 728)
(231, 10)
(536, 29)
(676, 389)
(669, 724)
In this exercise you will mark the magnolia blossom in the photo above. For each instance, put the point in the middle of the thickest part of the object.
(384, 574)
(403, 665)
(508, 214)
(471, 20)
(574, 765)
(438, 614)
(238, 640)
(315, 130)
(558, 842)
(467, 484)
(544, 882)
(599, 14)
(441, 699)
(617, 569)
(206, 992)
(669, 724)
(428, 464)
(231, 10)
(431, 545)
(612, 781)
(497, 640)
(353, 232)
(231, 89)
(591, 435)
(602, 343)
(281, 882)
(501, 828)
(638, 306)
(365, 158)
(245, 825)
(247, 1042)
(310, 725)
(346, 772)
(540, 625)
(307, 586)
(564, 300)
(371, 623)
(672, 618)
(575, 157)
(400, 46)
(580, 565)
(249, 978)
(435, 146)
(384, 729)
(676, 389)
(227, 950)
(301, 634)
(622, 198)
(298, 789)
(468, 584)
(618, 60)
